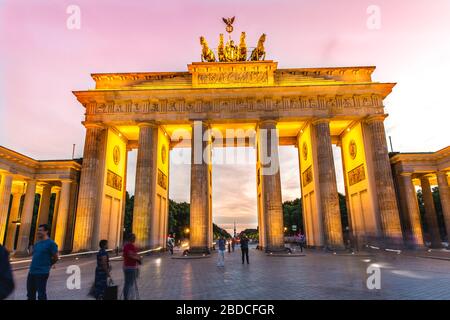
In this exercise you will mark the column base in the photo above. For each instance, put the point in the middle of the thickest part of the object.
(20, 254)
(394, 243)
(335, 248)
(198, 251)
(276, 249)
(436, 246)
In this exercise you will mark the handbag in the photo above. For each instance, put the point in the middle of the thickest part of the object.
(111, 291)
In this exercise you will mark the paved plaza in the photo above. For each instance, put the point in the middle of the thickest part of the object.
(317, 275)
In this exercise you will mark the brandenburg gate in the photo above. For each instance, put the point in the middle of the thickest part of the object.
(263, 106)
(308, 108)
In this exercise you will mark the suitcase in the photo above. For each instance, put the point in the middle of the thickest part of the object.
(111, 291)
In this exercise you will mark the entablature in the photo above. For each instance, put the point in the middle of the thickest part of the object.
(25, 167)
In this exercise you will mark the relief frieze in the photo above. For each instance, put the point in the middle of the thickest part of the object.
(113, 180)
(356, 175)
(332, 103)
(232, 77)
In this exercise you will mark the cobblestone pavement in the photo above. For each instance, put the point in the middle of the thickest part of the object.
(317, 275)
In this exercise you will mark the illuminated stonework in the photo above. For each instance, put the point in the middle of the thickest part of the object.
(23, 177)
(144, 109)
(422, 170)
(310, 108)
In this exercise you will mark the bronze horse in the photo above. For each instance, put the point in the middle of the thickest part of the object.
(207, 53)
(259, 53)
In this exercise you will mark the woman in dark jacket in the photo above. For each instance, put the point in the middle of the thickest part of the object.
(102, 271)
(6, 277)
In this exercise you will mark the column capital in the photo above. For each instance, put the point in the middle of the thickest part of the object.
(147, 124)
(375, 117)
(267, 122)
(6, 174)
(93, 125)
(320, 120)
(425, 176)
(43, 183)
(205, 123)
(442, 172)
(406, 174)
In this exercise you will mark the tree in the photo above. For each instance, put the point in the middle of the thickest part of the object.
(218, 231)
(178, 218)
(128, 220)
(252, 234)
(293, 216)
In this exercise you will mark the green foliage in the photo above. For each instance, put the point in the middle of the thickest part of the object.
(128, 220)
(218, 231)
(292, 216)
(252, 234)
(179, 218)
(344, 212)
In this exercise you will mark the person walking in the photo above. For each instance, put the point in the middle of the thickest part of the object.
(244, 248)
(45, 255)
(233, 243)
(6, 277)
(131, 261)
(170, 243)
(301, 241)
(221, 252)
(229, 245)
(102, 271)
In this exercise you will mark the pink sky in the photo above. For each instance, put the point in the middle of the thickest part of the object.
(41, 62)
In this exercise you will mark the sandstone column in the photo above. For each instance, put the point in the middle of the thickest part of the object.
(90, 185)
(44, 206)
(271, 185)
(68, 242)
(329, 199)
(13, 216)
(430, 213)
(5, 197)
(124, 201)
(384, 184)
(200, 223)
(144, 196)
(444, 194)
(26, 218)
(57, 192)
(63, 214)
(414, 234)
